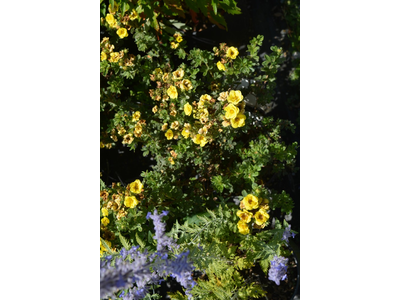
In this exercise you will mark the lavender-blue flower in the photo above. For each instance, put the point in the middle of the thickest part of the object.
(278, 269)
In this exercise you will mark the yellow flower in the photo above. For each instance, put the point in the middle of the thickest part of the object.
(114, 57)
(110, 20)
(121, 214)
(178, 74)
(244, 215)
(155, 108)
(200, 139)
(104, 212)
(136, 187)
(103, 56)
(231, 111)
(188, 109)
(261, 217)
(250, 202)
(105, 221)
(136, 116)
(185, 132)
(165, 77)
(138, 128)
(122, 32)
(243, 228)
(226, 123)
(169, 134)
(220, 66)
(186, 85)
(172, 92)
(174, 45)
(178, 37)
(131, 201)
(235, 97)
(134, 15)
(164, 127)
(158, 73)
(128, 138)
(223, 96)
(175, 125)
(232, 52)
(171, 160)
(204, 98)
(121, 131)
(238, 121)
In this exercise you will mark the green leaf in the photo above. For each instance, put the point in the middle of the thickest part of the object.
(124, 242)
(124, 7)
(214, 6)
(103, 9)
(139, 241)
(112, 4)
(150, 238)
(106, 246)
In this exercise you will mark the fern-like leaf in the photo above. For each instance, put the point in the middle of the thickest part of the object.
(124, 242)
(139, 241)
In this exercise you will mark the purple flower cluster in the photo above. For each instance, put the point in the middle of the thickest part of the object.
(142, 268)
(159, 227)
(287, 234)
(278, 269)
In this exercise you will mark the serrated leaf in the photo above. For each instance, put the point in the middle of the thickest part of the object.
(124, 242)
(108, 249)
(139, 241)
(264, 263)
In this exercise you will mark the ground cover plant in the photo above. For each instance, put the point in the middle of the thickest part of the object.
(204, 213)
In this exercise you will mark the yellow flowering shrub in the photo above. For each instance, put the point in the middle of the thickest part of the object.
(180, 110)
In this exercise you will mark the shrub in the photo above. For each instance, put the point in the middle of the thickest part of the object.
(214, 155)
